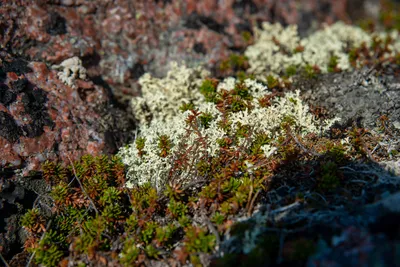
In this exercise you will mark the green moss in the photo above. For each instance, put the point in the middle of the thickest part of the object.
(184, 221)
(203, 167)
(177, 208)
(129, 253)
(60, 192)
(143, 198)
(151, 251)
(165, 145)
(209, 90)
(47, 253)
(31, 219)
(140, 143)
(242, 91)
(242, 130)
(336, 153)
(310, 72)
(329, 179)
(186, 106)
(205, 119)
(164, 234)
(218, 218)
(246, 35)
(332, 65)
(231, 185)
(259, 140)
(234, 63)
(272, 82)
(291, 71)
(92, 236)
(148, 232)
(197, 240)
(238, 104)
(54, 173)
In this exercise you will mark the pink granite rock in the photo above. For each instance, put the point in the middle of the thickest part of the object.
(42, 119)
(120, 40)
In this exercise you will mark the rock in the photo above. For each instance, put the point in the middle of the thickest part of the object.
(42, 119)
(151, 33)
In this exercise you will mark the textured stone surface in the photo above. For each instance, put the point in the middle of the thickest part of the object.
(44, 119)
(358, 95)
(120, 40)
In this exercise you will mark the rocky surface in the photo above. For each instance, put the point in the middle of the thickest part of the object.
(124, 39)
(362, 95)
(42, 119)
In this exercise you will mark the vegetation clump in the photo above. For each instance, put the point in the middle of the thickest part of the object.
(207, 154)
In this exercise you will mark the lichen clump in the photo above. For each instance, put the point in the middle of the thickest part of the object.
(72, 69)
(277, 49)
(229, 109)
(207, 156)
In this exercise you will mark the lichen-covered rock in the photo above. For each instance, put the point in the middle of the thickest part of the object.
(276, 49)
(181, 87)
(72, 69)
(122, 40)
(43, 119)
(357, 95)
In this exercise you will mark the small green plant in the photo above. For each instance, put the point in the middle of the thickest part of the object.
(53, 173)
(165, 233)
(92, 236)
(242, 91)
(151, 251)
(234, 63)
(238, 104)
(311, 72)
(177, 208)
(110, 196)
(218, 218)
(60, 193)
(329, 176)
(272, 82)
(140, 143)
(186, 106)
(197, 240)
(209, 90)
(246, 35)
(130, 253)
(205, 119)
(291, 71)
(332, 65)
(48, 253)
(33, 221)
(148, 232)
(165, 145)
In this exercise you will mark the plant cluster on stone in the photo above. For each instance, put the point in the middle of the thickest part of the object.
(219, 169)
(278, 51)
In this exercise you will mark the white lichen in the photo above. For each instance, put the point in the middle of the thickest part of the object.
(334, 40)
(72, 69)
(273, 50)
(161, 97)
(168, 120)
(277, 48)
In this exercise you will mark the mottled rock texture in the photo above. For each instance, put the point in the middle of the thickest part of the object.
(121, 40)
(44, 119)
